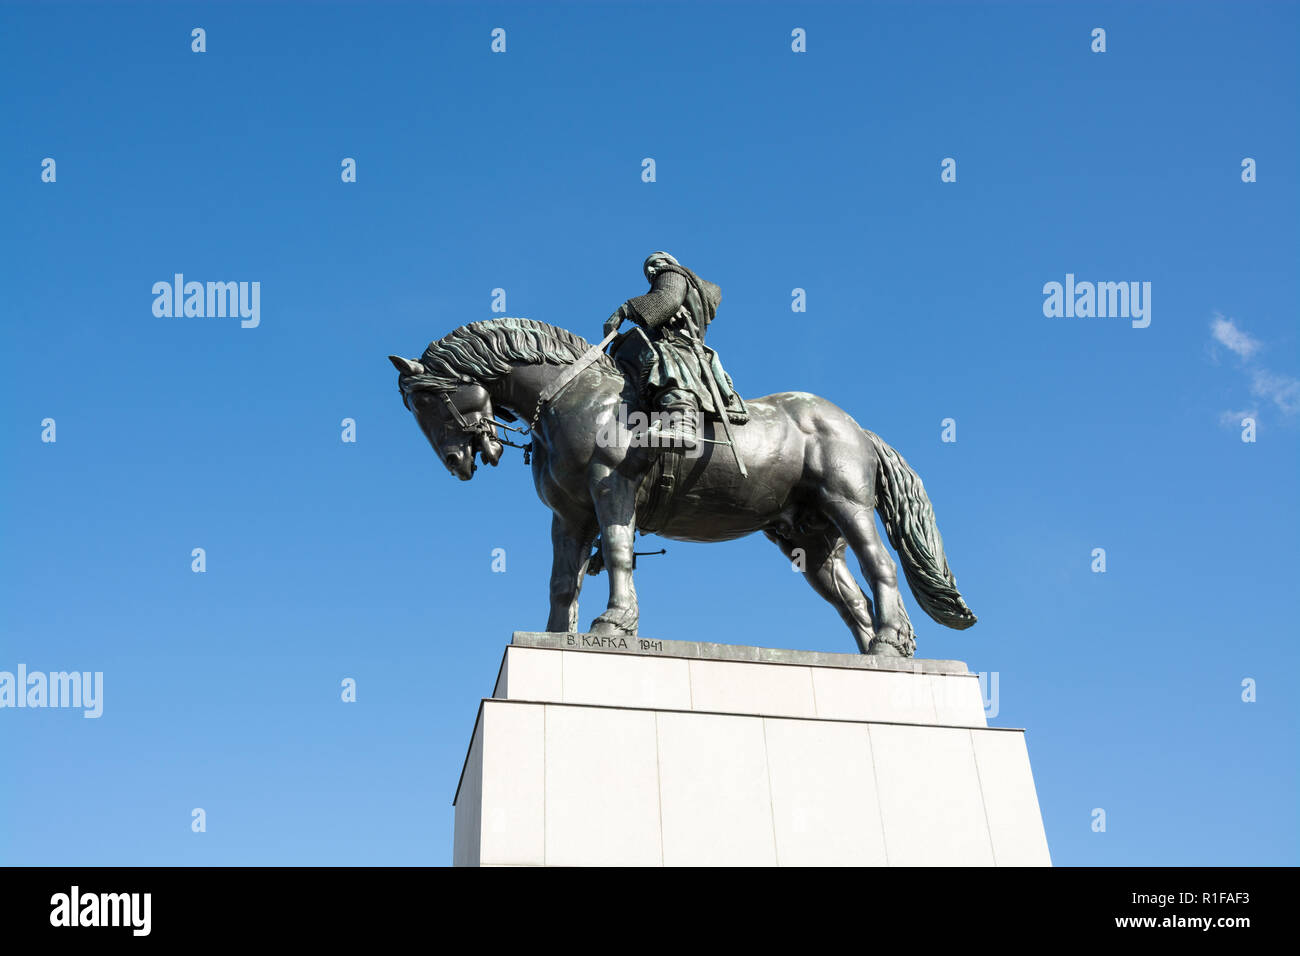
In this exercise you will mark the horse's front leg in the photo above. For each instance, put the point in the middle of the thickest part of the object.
(615, 499)
(571, 549)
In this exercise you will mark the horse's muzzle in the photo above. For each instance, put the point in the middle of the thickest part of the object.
(462, 464)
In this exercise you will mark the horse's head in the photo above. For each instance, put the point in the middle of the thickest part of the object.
(457, 422)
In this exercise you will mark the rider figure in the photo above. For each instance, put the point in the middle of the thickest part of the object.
(660, 354)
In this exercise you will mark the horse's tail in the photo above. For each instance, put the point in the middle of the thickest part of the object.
(909, 522)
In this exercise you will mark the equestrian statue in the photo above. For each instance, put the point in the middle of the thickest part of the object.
(652, 436)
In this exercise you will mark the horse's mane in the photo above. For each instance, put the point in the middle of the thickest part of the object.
(487, 350)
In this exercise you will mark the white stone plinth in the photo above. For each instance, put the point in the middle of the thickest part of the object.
(632, 752)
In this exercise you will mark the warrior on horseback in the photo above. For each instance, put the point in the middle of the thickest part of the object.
(664, 354)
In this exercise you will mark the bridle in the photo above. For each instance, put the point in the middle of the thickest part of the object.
(485, 425)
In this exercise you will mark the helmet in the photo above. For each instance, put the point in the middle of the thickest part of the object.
(654, 261)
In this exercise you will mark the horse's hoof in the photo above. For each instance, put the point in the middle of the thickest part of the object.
(615, 622)
(879, 648)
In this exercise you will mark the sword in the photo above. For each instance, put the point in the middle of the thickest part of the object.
(706, 368)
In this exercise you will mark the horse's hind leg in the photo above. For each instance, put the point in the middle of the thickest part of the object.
(820, 556)
(894, 635)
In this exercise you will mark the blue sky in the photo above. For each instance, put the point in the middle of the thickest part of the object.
(522, 171)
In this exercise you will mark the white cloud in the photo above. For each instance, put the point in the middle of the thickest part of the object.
(1233, 419)
(1227, 334)
(1282, 390)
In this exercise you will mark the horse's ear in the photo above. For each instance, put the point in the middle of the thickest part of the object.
(406, 366)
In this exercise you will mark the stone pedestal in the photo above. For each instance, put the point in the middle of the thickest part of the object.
(636, 752)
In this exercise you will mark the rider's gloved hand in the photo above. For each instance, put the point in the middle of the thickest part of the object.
(615, 320)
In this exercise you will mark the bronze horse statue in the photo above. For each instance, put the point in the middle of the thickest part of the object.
(814, 477)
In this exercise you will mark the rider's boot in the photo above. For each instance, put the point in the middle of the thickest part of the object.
(683, 412)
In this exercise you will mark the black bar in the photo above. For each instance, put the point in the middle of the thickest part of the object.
(333, 905)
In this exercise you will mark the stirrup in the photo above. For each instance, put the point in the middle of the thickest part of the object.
(673, 437)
